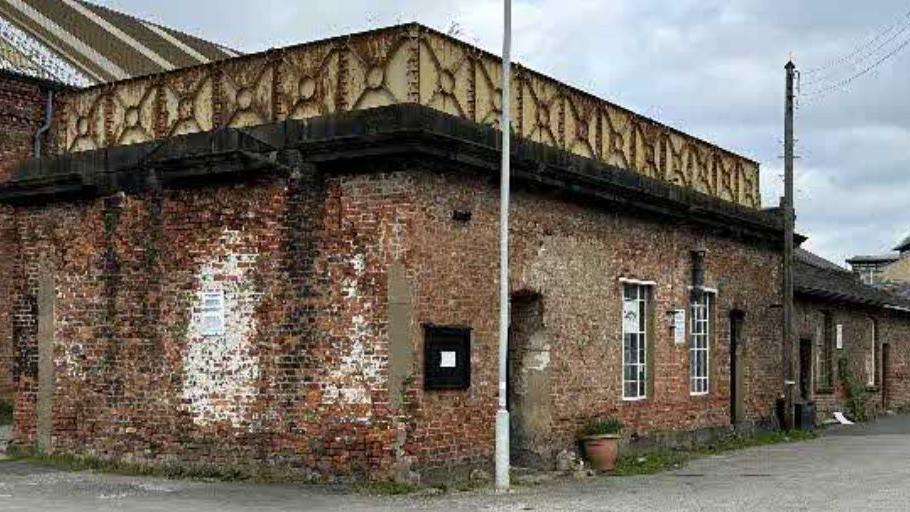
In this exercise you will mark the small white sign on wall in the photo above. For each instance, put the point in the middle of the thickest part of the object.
(839, 336)
(213, 313)
(447, 360)
(679, 326)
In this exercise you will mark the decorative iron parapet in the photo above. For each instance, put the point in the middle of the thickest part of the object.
(402, 64)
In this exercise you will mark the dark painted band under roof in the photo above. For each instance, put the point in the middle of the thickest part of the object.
(396, 133)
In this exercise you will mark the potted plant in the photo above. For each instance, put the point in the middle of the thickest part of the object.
(601, 443)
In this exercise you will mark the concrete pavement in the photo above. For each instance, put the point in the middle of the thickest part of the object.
(847, 469)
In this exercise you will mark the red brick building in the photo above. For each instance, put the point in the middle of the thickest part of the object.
(288, 261)
(853, 341)
(23, 103)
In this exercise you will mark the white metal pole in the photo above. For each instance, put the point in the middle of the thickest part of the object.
(502, 415)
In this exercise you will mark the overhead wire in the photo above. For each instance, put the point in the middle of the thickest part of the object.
(834, 80)
(859, 49)
(843, 83)
(853, 63)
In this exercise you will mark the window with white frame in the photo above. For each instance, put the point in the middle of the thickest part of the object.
(700, 344)
(635, 340)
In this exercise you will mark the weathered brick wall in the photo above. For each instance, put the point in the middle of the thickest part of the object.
(897, 272)
(301, 377)
(573, 256)
(857, 353)
(7, 257)
(295, 380)
(896, 333)
(22, 103)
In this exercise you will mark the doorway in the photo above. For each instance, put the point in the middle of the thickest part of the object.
(886, 367)
(805, 369)
(529, 384)
(737, 319)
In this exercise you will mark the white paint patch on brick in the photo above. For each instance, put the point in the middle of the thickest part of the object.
(73, 357)
(349, 289)
(351, 381)
(220, 372)
(359, 262)
(540, 361)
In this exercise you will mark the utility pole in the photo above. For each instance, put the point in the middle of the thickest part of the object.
(502, 415)
(789, 217)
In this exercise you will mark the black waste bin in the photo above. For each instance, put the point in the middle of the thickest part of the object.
(804, 415)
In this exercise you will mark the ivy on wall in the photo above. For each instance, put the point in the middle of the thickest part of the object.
(855, 395)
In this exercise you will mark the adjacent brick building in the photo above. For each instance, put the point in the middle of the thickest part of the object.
(853, 340)
(23, 103)
(289, 261)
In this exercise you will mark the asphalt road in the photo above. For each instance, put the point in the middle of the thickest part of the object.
(848, 469)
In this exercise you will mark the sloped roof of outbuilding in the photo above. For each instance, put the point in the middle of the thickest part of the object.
(816, 277)
(817, 261)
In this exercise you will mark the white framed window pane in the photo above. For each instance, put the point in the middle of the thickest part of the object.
(634, 340)
(699, 345)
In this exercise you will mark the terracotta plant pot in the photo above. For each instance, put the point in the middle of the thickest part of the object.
(602, 451)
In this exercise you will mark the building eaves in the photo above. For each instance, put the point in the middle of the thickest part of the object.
(820, 282)
(874, 258)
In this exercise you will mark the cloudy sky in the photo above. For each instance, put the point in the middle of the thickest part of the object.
(713, 68)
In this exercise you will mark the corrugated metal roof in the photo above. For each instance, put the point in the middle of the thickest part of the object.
(105, 44)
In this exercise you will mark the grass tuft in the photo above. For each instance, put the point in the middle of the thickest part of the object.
(387, 488)
(170, 471)
(667, 460)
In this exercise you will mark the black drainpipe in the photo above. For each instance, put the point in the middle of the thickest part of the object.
(48, 116)
(698, 272)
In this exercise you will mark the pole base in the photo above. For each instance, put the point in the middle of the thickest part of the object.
(502, 450)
